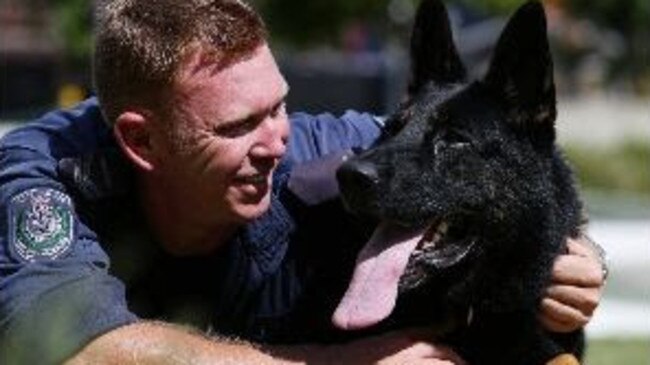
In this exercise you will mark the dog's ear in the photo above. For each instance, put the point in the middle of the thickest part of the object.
(433, 54)
(521, 72)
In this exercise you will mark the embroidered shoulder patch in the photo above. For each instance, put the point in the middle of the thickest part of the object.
(40, 224)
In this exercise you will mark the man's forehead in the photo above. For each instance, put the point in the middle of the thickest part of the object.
(252, 83)
(202, 61)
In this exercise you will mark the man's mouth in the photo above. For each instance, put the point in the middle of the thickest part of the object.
(389, 262)
(254, 179)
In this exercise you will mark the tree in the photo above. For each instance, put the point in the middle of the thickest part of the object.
(74, 23)
(302, 22)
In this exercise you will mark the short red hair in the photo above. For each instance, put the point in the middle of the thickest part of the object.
(141, 44)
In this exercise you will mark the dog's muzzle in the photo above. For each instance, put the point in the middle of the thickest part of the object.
(359, 182)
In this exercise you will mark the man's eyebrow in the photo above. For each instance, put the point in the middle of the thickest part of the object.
(261, 114)
(284, 96)
(281, 100)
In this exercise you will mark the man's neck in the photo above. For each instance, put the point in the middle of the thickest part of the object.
(181, 230)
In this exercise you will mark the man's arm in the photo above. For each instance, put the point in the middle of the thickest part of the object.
(56, 290)
(315, 136)
(161, 344)
(578, 281)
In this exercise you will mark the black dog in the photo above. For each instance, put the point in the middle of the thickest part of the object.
(471, 174)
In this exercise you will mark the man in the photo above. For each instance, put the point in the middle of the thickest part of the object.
(195, 214)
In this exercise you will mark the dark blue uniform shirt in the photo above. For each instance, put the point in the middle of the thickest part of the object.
(76, 259)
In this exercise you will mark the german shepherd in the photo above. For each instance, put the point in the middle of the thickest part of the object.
(478, 196)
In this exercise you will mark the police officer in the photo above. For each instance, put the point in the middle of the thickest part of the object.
(178, 201)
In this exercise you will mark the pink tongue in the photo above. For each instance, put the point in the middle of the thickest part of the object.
(373, 289)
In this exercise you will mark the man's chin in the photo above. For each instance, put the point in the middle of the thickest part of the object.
(251, 210)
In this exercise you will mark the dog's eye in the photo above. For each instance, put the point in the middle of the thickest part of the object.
(442, 145)
(439, 146)
(452, 140)
(459, 145)
(456, 138)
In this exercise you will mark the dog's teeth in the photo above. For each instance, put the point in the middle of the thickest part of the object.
(443, 228)
(428, 244)
(470, 315)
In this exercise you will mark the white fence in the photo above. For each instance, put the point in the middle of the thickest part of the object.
(625, 309)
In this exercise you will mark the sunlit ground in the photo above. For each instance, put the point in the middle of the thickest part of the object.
(617, 351)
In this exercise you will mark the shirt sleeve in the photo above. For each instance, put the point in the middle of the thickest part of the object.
(316, 136)
(55, 290)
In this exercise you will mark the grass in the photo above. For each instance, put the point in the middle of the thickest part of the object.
(615, 351)
(624, 167)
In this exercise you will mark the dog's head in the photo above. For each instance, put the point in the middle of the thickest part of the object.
(451, 160)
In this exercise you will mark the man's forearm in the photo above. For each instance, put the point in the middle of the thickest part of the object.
(162, 344)
(150, 343)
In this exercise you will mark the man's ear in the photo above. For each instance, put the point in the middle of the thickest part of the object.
(133, 133)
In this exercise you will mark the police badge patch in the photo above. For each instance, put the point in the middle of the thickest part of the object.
(41, 224)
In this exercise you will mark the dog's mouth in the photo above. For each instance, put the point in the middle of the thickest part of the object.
(442, 246)
(396, 259)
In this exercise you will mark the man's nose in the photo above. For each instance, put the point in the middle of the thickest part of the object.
(273, 137)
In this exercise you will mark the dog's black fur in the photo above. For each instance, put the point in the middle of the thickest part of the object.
(480, 156)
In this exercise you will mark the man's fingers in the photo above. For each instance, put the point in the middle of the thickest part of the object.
(583, 299)
(555, 312)
(577, 270)
(409, 346)
(556, 326)
(425, 349)
(430, 351)
(577, 283)
(445, 353)
(581, 247)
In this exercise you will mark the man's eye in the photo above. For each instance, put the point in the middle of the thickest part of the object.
(278, 110)
(236, 129)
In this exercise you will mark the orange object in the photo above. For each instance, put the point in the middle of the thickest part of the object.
(564, 359)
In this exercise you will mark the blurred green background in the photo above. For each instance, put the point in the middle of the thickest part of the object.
(340, 54)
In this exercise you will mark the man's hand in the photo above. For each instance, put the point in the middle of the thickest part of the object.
(405, 347)
(413, 347)
(161, 344)
(577, 285)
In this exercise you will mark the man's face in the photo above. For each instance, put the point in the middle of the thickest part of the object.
(231, 129)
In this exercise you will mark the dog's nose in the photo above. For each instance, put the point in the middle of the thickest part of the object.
(359, 175)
